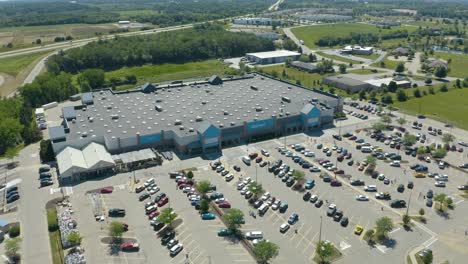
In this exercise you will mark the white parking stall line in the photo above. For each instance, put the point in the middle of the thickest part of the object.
(185, 239)
(394, 230)
(458, 202)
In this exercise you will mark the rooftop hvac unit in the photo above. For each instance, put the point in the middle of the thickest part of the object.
(158, 108)
(258, 109)
(255, 88)
(115, 116)
(233, 123)
(84, 134)
(203, 102)
(199, 119)
(90, 119)
(159, 100)
(286, 99)
(178, 122)
(109, 107)
(191, 129)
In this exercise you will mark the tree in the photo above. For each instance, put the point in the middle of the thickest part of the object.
(417, 93)
(203, 187)
(256, 189)
(342, 68)
(265, 250)
(116, 229)
(383, 225)
(369, 235)
(448, 202)
(440, 72)
(167, 216)
(392, 87)
(12, 247)
(421, 212)
(362, 95)
(400, 67)
(379, 126)
(204, 206)
(46, 152)
(447, 138)
(440, 198)
(324, 250)
(386, 119)
(409, 139)
(234, 218)
(431, 90)
(444, 88)
(371, 160)
(387, 99)
(74, 238)
(401, 121)
(406, 220)
(274, 74)
(439, 153)
(190, 174)
(92, 77)
(298, 175)
(401, 95)
(428, 81)
(427, 258)
(458, 83)
(38, 41)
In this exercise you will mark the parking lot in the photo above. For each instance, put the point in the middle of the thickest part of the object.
(199, 237)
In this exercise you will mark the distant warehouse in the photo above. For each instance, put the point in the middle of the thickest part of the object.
(346, 83)
(270, 57)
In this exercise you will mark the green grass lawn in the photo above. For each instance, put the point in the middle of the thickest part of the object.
(14, 65)
(169, 72)
(364, 71)
(309, 80)
(311, 34)
(338, 58)
(459, 64)
(372, 56)
(55, 241)
(389, 64)
(450, 106)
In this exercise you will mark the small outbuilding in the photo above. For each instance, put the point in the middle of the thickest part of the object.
(215, 80)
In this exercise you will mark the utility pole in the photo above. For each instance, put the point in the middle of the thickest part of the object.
(256, 174)
(409, 201)
(320, 231)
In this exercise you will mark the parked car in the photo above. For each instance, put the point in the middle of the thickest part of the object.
(130, 246)
(284, 227)
(116, 212)
(331, 210)
(293, 219)
(143, 197)
(208, 216)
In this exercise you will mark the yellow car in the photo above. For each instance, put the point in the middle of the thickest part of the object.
(358, 230)
(420, 175)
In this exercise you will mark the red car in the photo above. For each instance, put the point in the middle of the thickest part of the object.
(259, 159)
(163, 201)
(352, 138)
(349, 156)
(224, 204)
(153, 214)
(460, 150)
(335, 183)
(253, 155)
(130, 246)
(182, 181)
(109, 189)
(340, 158)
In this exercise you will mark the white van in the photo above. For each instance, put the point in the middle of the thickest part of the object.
(176, 249)
(151, 209)
(370, 188)
(254, 235)
(263, 209)
(246, 160)
(366, 149)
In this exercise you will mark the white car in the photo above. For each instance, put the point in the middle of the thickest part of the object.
(395, 163)
(428, 159)
(370, 188)
(276, 205)
(441, 178)
(439, 184)
(240, 186)
(188, 189)
(309, 154)
(284, 227)
(265, 153)
(441, 165)
(265, 196)
(220, 200)
(154, 190)
(243, 191)
(361, 197)
(229, 177)
(463, 143)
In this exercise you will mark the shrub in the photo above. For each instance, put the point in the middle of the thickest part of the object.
(52, 220)
(14, 231)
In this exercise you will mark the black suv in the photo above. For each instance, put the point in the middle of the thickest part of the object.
(398, 204)
(306, 196)
(143, 197)
(116, 212)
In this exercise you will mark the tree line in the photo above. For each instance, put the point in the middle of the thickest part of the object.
(359, 38)
(199, 43)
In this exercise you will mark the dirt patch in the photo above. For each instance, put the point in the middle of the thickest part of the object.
(8, 84)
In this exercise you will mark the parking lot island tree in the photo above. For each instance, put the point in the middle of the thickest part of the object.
(371, 160)
(167, 216)
(406, 220)
(116, 230)
(401, 121)
(448, 138)
(234, 218)
(427, 258)
(256, 189)
(324, 250)
(409, 139)
(265, 251)
(204, 205)
(383, 226)
(386, 119)
(203, 187)
(369, 236)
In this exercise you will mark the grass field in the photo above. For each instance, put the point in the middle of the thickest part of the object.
(389, 64)
(310, 80)
(364, 71)
(55, 241)
(459, 64)
(372, 56)
(15, 65)
(22, 37)
(450, 106)
(338, 58)
(311, 34)
(169, 72)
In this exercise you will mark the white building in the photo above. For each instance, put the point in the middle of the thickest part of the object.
(357, 50)
(270, 57)
(253, 21)
(377, 83)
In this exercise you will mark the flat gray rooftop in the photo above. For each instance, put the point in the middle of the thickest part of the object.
(183, 108)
